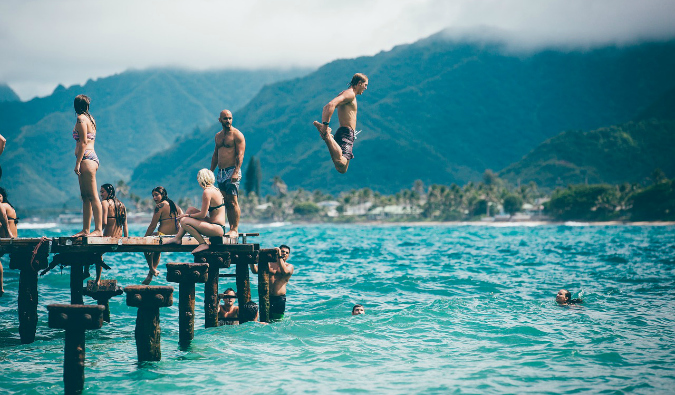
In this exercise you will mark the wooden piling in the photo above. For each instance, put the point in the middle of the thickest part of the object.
(242, 261)
(75, 319)
(265, 257)
(216, 261)
(186, 275)
(102, 293)
(148, 299)
(28, 264)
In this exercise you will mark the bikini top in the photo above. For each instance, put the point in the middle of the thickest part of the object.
(218, 206)
(76, 136)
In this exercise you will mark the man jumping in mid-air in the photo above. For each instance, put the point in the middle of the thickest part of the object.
(340, 146)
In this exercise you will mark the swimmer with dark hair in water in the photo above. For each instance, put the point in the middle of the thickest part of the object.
(564, 297)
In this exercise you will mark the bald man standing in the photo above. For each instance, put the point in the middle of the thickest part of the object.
(228, 156)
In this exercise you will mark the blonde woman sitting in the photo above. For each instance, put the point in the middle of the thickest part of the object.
(209, 221)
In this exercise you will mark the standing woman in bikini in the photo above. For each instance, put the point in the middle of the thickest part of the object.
(210, 220)
(166, 215)
(86, 165)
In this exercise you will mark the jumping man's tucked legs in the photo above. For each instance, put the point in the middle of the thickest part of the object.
(341, 163)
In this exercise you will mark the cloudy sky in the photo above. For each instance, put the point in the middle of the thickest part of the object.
(49, 42)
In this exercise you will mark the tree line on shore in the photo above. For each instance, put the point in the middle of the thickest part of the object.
(653, 199)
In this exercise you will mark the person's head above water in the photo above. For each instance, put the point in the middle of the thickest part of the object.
(205, 178)
(358, 309)
(229, 301)
(359, 83)
(248, 312)
(565, 297)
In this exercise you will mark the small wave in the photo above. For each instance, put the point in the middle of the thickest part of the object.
(574, 223)
(37, 225)
(276, 224)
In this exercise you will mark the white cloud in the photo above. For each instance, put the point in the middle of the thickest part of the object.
(46, 42)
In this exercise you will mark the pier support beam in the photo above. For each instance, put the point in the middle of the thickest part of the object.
(102, 294)
(75, 319)
(148, 299)
(266, 256)
(242, 261)
(186, 275)
(77, 263)
(216, 261)
(28, 266)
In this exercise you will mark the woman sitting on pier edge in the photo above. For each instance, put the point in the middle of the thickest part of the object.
(166, 215)
(86, 165)
(210, 220)
(8, 218)
(114, 213)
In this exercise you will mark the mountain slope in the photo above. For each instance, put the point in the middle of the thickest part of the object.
(440, 111)
(7, 94)
(138, 113)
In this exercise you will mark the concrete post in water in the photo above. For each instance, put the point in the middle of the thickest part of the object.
(216, 261)
(28, 266)
(266, 256)
(186, 275)
(75, 319)
(102, 294)
(148, 299)
(242, 261)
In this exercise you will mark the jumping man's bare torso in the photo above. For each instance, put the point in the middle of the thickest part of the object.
(347, 113)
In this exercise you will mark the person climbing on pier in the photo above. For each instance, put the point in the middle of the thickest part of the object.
(340, 146)
(166, 215)
(229, 156)
(227, 312)
(280, 275)
(209, 221)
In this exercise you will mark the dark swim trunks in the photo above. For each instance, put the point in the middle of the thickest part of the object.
(345, 139)
(225, 184)
(277, 307)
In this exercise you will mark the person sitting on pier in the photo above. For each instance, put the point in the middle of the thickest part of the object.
(86, 165)
(8, 217)
(210, 220)
(280, 275)
(114, 213)
(564, 297)
(227, 312)
(358, 310)
(166, 215)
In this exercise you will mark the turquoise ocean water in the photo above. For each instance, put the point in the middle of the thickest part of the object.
(461, 309)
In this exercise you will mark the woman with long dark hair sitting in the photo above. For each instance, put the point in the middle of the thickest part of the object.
(8, 218)
(166, 215)
(114, 213)
(210, 220)
(86, 165)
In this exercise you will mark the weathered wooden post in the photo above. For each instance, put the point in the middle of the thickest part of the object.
(186, 275)
(265, 257)
(102, 294)
(242, 261)
(75, 319)
(216, 261)
(148, 299)
(77, 262)
(28, 261)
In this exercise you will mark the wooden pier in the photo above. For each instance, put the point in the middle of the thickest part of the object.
(31, 256)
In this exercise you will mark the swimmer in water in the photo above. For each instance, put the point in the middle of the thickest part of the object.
(564, 297)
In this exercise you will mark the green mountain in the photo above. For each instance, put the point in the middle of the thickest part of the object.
(7, 94)
(138, 114)
(623, 153)
(435, 110)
